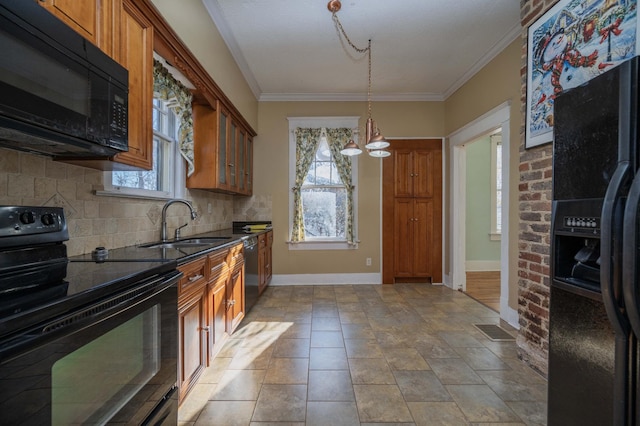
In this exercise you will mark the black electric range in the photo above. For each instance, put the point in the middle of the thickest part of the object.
(37, 278)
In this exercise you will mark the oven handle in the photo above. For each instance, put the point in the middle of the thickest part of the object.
(86, 316)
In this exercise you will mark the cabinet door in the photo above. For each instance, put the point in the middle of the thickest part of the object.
(235, 299)
(223, 121)
(403, 166)
(403, 237)
(232, 157)
(269, 258)
(423, 241)
(249, 165)
(136, 55)
(262, 262)
(421, 175)
(192, 340)
(217, 315)
(83, 16)
(242, 161)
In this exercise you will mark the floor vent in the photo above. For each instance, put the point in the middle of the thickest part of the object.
(494, 332)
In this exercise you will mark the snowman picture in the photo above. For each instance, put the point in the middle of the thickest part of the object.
(570, 44)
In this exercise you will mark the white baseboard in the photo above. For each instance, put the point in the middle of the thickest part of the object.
(482, 265)
(326, 279)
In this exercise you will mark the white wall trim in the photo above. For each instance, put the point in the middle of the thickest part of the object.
(492, 120)
(482, 265)
(326, 279)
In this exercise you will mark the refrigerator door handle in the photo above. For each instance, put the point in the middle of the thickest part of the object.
(629, 250)
(610, 246)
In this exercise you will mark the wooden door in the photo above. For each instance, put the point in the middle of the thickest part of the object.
(192, 356)
(412, 211)
(235, 299)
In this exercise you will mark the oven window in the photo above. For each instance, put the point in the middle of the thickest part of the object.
(91, 384)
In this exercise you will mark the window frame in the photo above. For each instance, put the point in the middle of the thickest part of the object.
(320, 243)
(172, 172)
(495, 139)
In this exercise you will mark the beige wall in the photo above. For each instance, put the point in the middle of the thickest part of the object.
(496, 83)
(271, 153)
(193, 25)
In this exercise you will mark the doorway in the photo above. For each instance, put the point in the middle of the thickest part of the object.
(483, 188)
(499, 117)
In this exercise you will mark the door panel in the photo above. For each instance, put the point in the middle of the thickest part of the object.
(423, 238)
(403, 241)
(422, 173)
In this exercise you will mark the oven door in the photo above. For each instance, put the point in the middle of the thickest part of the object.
(113, 362)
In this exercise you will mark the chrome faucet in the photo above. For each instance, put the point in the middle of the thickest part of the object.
(163, 231)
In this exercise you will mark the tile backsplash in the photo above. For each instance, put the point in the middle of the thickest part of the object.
(112, 222)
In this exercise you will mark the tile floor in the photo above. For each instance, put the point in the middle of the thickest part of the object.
(347, 355)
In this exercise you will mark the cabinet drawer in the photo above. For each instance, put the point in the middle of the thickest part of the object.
(236, 256)
(218, 264)
(194, 276)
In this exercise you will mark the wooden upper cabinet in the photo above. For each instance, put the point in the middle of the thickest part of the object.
(223, 152)
(412, 177)
(136, 55)
(95, 20)
(83, 16)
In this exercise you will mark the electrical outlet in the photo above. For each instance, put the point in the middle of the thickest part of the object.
(368, 261)
(209, 208)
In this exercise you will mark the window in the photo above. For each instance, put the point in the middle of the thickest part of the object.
(327, 206)
(161, 180)
(496, 185)
(324, 197)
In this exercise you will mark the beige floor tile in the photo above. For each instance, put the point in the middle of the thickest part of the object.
(330, 385)
(421, 386)
(292, 348)
(371, 371)
(437, 414)
(226, 413)
(452, 371)
(238, 385)
(287, 371)
(281, 403)
(480, 404)
(366, 355)
(381, 403)
(328, 359)
(405, 359)
(332, 414)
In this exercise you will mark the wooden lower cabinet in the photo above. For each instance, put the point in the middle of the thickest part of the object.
(192, 337)
(210, 308)
(265, 244)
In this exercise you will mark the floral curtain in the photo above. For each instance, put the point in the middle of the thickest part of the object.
(166, 87)
(337, 138)
(306, 146)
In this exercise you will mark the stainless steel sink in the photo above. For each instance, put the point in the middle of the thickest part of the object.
(187, 242)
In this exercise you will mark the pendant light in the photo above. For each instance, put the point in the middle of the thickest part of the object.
(374, 141)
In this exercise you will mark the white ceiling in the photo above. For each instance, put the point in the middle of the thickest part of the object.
(421, 49)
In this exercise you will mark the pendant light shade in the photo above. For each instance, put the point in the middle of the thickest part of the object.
(377, 141)
(351, 148)
(379, 153)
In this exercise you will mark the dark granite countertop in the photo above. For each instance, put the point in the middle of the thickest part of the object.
(180, 254)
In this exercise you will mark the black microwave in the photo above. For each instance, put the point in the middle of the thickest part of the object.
(59, 94)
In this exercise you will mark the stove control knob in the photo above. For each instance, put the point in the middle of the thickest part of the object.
(47, 219)
(27, 218)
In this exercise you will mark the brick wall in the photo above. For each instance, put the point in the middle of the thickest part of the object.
(534, 224)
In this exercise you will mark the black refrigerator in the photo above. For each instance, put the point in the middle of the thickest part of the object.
(594, 317)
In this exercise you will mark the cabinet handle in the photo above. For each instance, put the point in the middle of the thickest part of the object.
(230, 165)
(206, 328)
(195, 277)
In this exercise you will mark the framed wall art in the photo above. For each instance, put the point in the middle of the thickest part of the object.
(570, 44)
